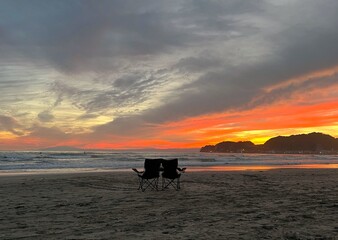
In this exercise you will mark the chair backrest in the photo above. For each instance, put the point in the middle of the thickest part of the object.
(152, 168)
(170, 166)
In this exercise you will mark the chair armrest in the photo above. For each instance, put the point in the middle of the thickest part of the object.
(137, 171)
(181, 169)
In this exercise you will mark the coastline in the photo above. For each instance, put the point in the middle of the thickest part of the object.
(274, 204)
(214, 168)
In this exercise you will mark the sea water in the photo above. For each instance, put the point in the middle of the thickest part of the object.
(121, 160)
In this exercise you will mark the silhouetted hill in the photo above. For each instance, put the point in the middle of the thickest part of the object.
(303, 143)
(229, 147)
(313, 142)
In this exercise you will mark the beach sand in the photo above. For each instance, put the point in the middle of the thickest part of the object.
(275, 204)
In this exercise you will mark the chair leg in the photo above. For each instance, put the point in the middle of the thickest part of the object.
(146, 183)
(139, 183)
(175, 183)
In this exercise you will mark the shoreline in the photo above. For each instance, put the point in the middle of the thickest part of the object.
(216, 168)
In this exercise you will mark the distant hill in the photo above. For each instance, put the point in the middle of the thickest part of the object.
(303, 143)
(62, 148)
(313, 142)
(229, 146)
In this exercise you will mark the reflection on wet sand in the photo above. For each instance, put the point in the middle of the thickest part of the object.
(261, 168)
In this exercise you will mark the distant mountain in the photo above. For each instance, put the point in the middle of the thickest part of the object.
(313, 142)
(230, 147)
(62, 148)
(303, 143)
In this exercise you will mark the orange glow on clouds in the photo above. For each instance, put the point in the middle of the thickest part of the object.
(313, 75)
(259, 124)
(314, 110)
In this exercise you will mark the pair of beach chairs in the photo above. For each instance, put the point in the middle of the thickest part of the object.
(149, 178)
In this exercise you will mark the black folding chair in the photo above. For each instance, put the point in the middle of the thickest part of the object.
(149, 177)
(171, 174)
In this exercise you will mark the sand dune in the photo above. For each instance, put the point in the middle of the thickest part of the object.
(276, 204)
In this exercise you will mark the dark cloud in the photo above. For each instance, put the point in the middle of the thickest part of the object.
(88, 116)
(54, 133)
(77, 36)
(217, 15)
(63, 90)
(124, 126)
(125, 91)
(216, 8)
(45, 116)
(213, 92)
(9, 124)
(126, 81)
(198, 64)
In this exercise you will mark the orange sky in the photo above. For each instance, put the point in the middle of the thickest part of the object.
(257, 125)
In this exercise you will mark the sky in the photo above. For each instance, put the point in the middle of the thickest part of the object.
(123, 74)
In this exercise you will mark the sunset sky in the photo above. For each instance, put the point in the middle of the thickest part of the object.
(165, 74)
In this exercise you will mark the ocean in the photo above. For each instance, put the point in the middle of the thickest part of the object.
(33, 161)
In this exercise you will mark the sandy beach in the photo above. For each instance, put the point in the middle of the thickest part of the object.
(275, 204)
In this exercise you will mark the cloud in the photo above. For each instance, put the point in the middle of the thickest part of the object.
(63, 91)
(55, 134)
(294, 89)
(88, 116)
(45, 116)
(128, 90)
(9, 124)
(122, 126)
(297, 52)
(198, 64)
(125, 91)
(77, 36)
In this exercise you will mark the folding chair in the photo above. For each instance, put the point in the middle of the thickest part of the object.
(149, 177)
(171, 174)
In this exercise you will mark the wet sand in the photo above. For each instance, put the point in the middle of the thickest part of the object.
(275, 204)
